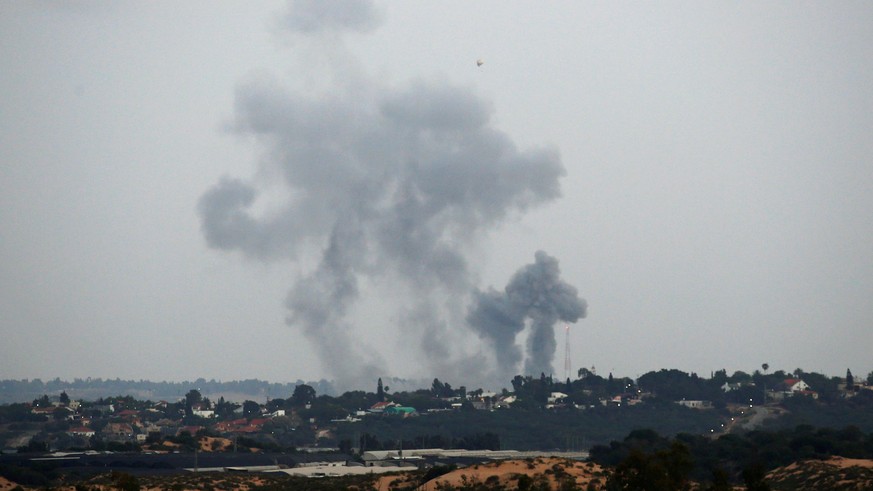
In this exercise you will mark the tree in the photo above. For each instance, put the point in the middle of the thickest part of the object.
(18, 412)
(720, 480)
(303, 395)
(125, 482)
(443, 390)
(719, 378)
(518, 383)
(639, 472)
(65, 399)
(191, 398)
(251, 408)
(323, 408)
(225, 409)
(675, 384)
(275, 404)
(678, 463)
(436, 388)
(850, 380)
(380, 391)
(740, 376)
(753, 476)
(826, 387)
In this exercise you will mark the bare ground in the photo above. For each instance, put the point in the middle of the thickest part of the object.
(837, 473)
(507, 473)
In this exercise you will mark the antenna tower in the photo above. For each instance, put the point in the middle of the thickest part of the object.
(567, 368)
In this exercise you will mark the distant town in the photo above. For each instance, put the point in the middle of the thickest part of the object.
(383, 428)
(305, 419)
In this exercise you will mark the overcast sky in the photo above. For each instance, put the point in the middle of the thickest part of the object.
(336, 190)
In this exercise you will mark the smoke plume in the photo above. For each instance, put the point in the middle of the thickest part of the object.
(536, 294)
(386, 182)
(312, 16)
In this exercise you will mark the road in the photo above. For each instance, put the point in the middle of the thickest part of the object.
(756, 417)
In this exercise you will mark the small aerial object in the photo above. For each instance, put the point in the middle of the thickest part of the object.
(480, 62)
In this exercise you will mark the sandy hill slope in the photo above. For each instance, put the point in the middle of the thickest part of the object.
(508, 472)
(836, 473)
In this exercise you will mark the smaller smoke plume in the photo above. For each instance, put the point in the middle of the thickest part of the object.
(536, 294)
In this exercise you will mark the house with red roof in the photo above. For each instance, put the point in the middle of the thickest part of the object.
(380, 407)
(241, 425)
(793, 386)
(122, 432)
(128, 414)
(81, 431)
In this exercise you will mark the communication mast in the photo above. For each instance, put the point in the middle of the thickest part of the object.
(567, 368)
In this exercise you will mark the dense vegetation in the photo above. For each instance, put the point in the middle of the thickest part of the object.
(856, 411)
(12, 391)
(571, 429)
(664, 463)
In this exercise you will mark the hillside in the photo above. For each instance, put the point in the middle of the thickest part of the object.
(835, 473)
(514, 474)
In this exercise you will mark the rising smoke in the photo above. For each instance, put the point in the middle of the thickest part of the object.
(386, 182)
(536, 294)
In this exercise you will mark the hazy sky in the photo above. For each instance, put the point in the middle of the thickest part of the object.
(336, 190)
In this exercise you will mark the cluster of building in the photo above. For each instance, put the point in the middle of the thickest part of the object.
(157, 421)
(162, 420)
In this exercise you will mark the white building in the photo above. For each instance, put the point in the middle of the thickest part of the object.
(695, 404)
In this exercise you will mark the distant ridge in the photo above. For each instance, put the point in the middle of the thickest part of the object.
(25, 390)
(89, 389)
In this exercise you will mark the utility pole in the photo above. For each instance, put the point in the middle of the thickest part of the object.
(765, 366)
(567, 368)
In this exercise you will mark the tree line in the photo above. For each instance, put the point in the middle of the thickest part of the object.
(645, 460)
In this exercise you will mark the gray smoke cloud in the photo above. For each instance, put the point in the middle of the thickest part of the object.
(310, 16)
(537, 294)
(386, 182)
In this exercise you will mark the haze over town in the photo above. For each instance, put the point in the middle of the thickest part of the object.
(306, 190)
